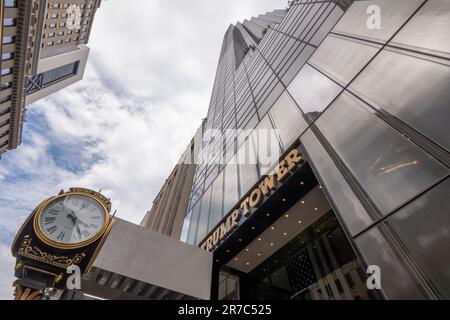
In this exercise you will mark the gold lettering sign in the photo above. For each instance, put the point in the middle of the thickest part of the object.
(265, 188)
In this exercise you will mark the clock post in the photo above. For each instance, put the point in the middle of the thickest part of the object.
(62, 233)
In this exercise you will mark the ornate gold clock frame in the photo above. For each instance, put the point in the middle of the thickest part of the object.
(41, 263)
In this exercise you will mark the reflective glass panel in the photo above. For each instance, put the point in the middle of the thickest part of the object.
(390, 168)
(287, 119)
(216, 201)
(414, 90)
(424, 227)
(313, 91)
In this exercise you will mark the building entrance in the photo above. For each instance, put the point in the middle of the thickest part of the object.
(303, 255)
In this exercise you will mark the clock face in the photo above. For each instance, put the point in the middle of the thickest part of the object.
(72, 219)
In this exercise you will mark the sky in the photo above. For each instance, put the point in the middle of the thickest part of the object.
(122, 128)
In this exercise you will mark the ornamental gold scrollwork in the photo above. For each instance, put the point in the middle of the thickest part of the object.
(21, 293)
(30, 251)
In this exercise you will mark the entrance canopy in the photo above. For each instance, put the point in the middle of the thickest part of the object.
(137, 263)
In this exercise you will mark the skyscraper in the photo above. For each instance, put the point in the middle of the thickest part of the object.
(43, 50)
(356, 94)
(167, 213)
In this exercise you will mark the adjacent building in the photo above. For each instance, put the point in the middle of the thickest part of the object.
(43, 50)
(167, 213)
(357, 95)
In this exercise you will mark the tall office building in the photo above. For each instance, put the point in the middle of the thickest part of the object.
(356, 94)
(43, 50)
(167, 213)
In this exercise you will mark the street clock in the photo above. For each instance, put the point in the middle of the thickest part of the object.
(65, 230)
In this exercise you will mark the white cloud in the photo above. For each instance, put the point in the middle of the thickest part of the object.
(6, 273)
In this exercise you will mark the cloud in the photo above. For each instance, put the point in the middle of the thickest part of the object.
(6, 272)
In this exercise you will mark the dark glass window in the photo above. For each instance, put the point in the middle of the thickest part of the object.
(392, 13)
(266, 144)
(313, 91)
(216, 208)
(58, 74)
(396, 279)
(191, 239)
(350, 208)
(248, 172)
(389, 167)
(204, 215)
(424, 227)
(287, 119)
(414, 90)
(429, 28)
(230, 193)
(342, 58)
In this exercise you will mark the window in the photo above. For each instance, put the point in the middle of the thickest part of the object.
(4, 99)
(342, 58)
(428, 28)
(51, 34)
(192, 233)
(230, 193)
(394, 14)
(59, 42)
(6, 71)
(60, 33)
(398, 283)
(63, 15)
(7, 56)
(10, 3)
(54, 15)
(389, 167)
(266, 145)
(423, 227)
(9, 22)
(287, 119)
(414, 90)
(65, 5)
(62, 24)
(215, 211)
(52, 25)
(203, 220)
(50, 43)
(8, 39)
(56, 5)
(248, 172)
(5, 85)
(313, 91)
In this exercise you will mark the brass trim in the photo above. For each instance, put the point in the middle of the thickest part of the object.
(21, 293)
(54, 275)
(59, 245)
(26, 223)
(100, 245)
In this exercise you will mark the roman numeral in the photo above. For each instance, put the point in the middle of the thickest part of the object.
(53, 211)
(52, 229)
(49, 220)
(86, 233)
(61, 236)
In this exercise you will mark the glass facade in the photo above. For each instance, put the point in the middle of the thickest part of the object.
(368, 108)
